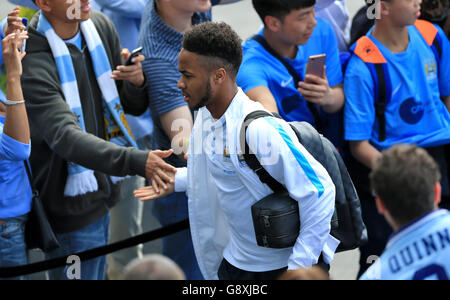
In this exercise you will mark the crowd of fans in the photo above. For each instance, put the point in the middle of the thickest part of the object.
(95, 130)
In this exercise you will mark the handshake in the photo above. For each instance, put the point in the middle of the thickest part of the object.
(161, 175)
(159, 172)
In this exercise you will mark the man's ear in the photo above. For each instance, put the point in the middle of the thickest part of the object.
(44, 5)
(437, 193)
(384, 8)
(219, 76)
(380, 206)
(273, 23)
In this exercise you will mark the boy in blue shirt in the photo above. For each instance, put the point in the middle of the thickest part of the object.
(293, 32)
(417, 101)
(406, 181)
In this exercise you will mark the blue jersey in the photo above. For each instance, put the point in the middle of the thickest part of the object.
(415, 113)
(418, 251)
(260, 68)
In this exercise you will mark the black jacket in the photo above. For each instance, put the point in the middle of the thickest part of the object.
(57, 138)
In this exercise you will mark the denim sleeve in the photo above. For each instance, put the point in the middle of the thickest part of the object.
(163, 92)
(13, 150)
(359, 108)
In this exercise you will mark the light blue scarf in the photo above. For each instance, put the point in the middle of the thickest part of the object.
(81, 180)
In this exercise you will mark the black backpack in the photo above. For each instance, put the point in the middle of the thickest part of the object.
(346, 225)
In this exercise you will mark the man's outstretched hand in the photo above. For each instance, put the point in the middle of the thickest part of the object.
(156, 169)
(147, 193)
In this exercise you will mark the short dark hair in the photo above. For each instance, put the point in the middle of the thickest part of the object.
(218, 42)
(279, 8)
(404, 178)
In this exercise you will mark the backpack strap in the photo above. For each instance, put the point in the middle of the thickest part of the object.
(297, 78)
(430, 34)
(369, 53)
(251, 159)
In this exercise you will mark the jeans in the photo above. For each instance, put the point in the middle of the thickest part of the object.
(13, 251)
(92, 236)
(178, 246)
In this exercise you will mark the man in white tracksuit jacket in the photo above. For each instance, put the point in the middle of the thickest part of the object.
(221, 188)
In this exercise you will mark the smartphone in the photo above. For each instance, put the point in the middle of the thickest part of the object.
(316, 64)
(135, 53)
(24, 44)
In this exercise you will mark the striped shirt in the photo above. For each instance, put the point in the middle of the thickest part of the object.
(162, 45)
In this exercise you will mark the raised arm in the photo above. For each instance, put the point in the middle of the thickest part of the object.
(16, 122)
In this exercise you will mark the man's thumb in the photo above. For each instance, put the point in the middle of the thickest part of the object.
(164, 154)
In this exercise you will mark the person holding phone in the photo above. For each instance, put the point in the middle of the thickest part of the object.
(16, 194)
(293, 34)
